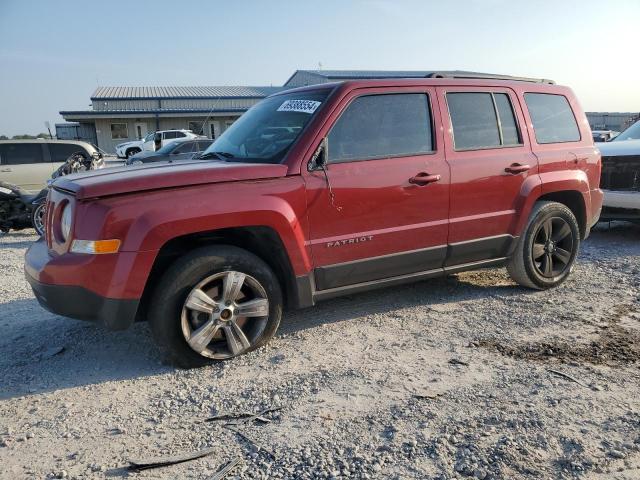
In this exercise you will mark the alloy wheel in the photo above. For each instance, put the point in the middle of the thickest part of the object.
(552, 249)
(38, 218)
(225, 315)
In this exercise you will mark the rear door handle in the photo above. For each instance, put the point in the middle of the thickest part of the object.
(516, 168)
(6, 170)
(424, 178)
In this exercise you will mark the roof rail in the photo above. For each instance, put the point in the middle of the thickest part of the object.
(489, 76)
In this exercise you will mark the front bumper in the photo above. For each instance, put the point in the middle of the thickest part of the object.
(60, 284)
(82, 304)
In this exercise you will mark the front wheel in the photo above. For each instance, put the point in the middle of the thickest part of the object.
(547, 249)
(213, 304)
(37, 218)
(132, 152)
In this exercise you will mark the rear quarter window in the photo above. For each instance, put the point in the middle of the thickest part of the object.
(552, 117)
(21, 153)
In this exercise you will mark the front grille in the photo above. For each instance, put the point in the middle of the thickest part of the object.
(621, 173)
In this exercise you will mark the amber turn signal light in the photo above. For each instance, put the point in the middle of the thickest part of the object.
(95, 246)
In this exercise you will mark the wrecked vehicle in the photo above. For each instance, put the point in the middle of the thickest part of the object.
(621, 176)
(323, 191)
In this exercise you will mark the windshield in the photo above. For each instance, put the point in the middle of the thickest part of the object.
(149, 137)
(631, 133)
(266, 132)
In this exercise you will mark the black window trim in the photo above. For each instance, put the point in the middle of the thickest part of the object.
(434, 146)
(535, 137)
(499, 122)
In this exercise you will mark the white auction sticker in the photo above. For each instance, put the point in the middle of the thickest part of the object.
(304, 106)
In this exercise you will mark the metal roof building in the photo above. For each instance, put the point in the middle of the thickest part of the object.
(120, 114)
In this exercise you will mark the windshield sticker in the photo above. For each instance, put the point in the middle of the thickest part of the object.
(303, 106)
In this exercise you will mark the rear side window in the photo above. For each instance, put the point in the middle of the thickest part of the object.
(170, 135)
(61, 151)
(552, 117)
(381, 126)
(482, 120)
(21, 153)
(508, 126)
(186, 147)
(203, 145)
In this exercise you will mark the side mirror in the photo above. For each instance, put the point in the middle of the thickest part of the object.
(320, 157)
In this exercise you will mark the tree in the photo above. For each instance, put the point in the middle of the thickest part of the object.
(4, 137)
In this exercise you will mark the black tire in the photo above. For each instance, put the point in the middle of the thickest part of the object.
(131, 152)
(556, 262)
(166, 313)
(37, 218)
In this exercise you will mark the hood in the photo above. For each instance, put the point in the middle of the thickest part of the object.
(619, 148)
(128, 143)
(114, 181)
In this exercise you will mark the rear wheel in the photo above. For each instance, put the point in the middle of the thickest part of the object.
(37, 218)
(213, 304)
(546, 251)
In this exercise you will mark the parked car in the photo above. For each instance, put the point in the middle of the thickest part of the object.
(372, 184)
(165, 137)
(129, 149)
(178, 150)
(29, 163)
(621, 175)
(603, 135)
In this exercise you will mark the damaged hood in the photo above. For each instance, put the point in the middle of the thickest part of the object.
(114, 181)
(619, 148)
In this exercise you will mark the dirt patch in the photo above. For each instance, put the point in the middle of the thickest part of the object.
(617, 342)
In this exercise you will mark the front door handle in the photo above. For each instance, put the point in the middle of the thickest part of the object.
(424, 178)
(6, 170)
(516, 168)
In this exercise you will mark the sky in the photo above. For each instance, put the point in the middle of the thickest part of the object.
(53, 54)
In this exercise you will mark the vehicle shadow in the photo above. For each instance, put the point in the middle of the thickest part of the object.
(438, 293)
(42, 352)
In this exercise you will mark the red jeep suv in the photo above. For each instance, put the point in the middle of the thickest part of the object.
(322, 191)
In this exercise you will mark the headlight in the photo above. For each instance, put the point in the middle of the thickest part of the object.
(65, 221)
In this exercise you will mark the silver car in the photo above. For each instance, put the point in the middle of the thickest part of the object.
(30, 163)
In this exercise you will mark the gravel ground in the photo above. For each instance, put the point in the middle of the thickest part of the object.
(464, 377)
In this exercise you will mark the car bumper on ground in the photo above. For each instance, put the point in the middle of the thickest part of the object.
(621, 205)
(74, 300)
(627, 200)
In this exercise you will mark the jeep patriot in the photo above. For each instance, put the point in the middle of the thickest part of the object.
(322, 191)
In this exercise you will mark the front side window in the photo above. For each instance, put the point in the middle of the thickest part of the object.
(552, 117)
(20, 153)
(382, 126)
(119, 131)
(268, 130)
